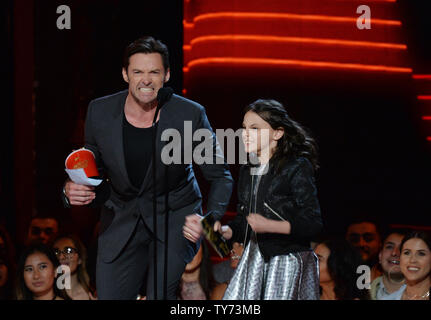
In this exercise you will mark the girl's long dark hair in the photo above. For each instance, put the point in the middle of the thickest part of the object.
(296, 141)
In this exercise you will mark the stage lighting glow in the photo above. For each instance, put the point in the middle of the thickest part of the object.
(292, 63)
(275, 39)
(285, 16)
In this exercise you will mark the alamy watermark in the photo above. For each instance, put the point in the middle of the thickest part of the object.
(364, 280)
(204, 147)
(63, 277)
(64, 21)
(364, 20)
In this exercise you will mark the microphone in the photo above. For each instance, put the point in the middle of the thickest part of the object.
(163, 96)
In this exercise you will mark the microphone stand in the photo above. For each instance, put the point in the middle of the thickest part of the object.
(163, 96)
(154, 133)
(165, 268)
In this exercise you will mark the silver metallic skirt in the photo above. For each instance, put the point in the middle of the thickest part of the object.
(294, 276)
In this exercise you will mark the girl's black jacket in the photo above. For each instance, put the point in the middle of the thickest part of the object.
(289, 194)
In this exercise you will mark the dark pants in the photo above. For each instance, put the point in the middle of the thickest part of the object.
(123, 278)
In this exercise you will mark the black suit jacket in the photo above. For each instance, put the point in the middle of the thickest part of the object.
(104, 136)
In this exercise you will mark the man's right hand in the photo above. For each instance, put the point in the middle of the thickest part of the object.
(78, 194)
(225, 231)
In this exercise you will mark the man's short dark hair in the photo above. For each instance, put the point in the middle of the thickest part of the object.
(358, 218)
(146, 45)
(389, 231)
(45, 216)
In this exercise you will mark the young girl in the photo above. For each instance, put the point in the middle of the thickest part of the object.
(36, 275)
(278, 210)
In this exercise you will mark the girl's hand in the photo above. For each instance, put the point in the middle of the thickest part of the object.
(225, 231)
(258, 223)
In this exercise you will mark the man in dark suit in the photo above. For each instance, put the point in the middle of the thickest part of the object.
(118, 130)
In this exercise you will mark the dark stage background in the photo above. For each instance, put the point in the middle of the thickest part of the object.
(375, 158)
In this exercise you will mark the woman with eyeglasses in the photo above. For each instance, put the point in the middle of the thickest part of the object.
(71, 253)
(37, 275)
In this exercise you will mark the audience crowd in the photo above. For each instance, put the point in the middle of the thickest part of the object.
(368, 262)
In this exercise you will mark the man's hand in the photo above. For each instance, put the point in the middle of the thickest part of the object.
(192, 229)
(225, 231)
(78, 194)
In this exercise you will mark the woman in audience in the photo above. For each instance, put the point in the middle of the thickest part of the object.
(220, 288)
(36, 275)
(71, 253)
(338, 263)
(415, 264)
(197, 281)
(6, 286)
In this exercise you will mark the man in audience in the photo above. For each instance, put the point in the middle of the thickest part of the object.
(389, 258)
(364, 234)
(42, 229)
